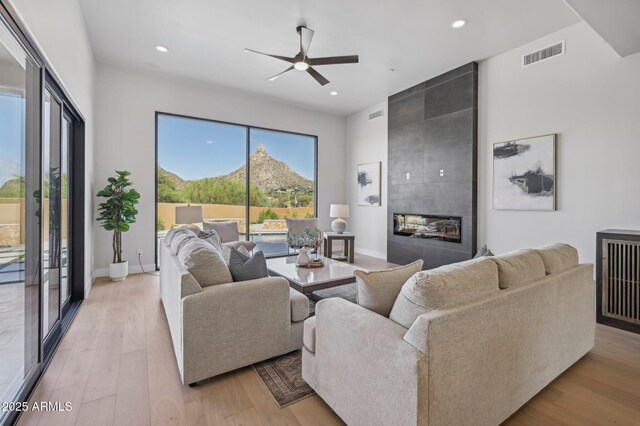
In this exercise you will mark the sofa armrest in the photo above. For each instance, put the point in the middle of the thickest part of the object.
(365, 366)
(234, 324)
(299, 306)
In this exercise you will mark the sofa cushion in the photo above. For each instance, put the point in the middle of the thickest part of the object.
(212, 237)
(299, 305)
(378, 290)
(247, 245)
(172, 233)
(204, 262)
(179, 238)
(309, 336)
(558, 257)
(519, 267)
(443, 287)
(245, 268)
(228, 231)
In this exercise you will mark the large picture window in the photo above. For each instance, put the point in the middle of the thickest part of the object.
(204, 163)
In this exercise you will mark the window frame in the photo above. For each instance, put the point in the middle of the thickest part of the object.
(248, 128)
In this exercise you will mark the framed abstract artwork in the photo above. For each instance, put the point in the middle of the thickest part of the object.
(369, 184)
(524, 174)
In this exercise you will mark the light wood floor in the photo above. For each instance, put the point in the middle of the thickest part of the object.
(117, 367)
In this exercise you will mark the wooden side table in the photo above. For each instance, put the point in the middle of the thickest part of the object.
(349, 242)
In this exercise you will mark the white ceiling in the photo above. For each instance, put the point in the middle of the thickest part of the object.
(617, 22)
(414, 37)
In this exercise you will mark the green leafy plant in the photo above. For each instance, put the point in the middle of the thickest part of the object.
(267, 214)
(118, 211)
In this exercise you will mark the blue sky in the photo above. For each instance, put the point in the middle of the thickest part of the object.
(11, 136)
(195, 149)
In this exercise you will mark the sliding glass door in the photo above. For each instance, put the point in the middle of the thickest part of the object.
(38, 134)
(255, 177)
(19, 215)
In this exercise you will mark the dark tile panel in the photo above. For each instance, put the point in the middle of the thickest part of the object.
(407, 92)
(407, 191)
(409, 110)
(435, 257)
(403, 254)
(452, 198)
(451, 96)
(457, 72)
(456, 161)
(453, 129)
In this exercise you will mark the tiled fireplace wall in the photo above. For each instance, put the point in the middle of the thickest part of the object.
(433, 128)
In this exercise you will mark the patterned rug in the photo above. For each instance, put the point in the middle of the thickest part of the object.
(283, 377)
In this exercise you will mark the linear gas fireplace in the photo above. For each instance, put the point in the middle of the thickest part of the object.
(443, 228)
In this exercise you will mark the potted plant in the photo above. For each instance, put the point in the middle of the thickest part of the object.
(116, 214)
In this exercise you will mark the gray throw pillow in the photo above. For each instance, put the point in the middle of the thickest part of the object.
(245, 268)
(484, 251)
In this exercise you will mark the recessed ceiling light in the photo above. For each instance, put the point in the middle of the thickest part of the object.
(391, 69)
(459, 23)
(162, 49)
(334, 93)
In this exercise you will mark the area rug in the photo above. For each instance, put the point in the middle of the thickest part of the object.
(283, 378)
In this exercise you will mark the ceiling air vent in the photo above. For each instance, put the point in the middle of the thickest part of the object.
(542, 54)
(374, 115)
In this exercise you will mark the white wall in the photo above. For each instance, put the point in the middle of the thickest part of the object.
(59, 29)
(125, 140)
(590, 97)
(367, 143)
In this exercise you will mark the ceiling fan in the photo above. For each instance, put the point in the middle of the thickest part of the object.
(302, 62)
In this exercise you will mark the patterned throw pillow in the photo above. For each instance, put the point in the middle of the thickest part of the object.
(244, 268)
(211, 236)
(484, 251)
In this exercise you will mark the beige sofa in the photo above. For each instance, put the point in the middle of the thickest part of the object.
(223, 327)
(471, 363)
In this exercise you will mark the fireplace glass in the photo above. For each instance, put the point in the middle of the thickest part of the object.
(443, 228)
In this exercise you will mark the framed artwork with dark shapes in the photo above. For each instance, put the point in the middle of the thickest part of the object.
(369, 184)
(524, 174)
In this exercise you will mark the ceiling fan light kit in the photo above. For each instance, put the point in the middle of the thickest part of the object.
(302, 62)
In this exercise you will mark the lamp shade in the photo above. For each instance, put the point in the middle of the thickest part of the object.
(339, 210)
(189, 214)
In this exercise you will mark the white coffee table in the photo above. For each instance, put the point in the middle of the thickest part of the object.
(308, 280)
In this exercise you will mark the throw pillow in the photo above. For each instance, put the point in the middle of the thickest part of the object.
(378, 290)
(248, 245)
(226, 252)
(245, 268)
(484, 251)
(204, 262)
(212, 237)
(443, 287)
(180, 237)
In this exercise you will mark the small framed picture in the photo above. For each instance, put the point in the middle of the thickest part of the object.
(369, 185)
(524, 174)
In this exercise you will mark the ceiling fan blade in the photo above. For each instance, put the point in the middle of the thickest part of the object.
(332, 60)
(319, 78)
(279, 74)
(306, 35)
(282, 58)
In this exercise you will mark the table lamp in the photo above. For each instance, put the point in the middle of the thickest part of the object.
(339, 211)
(189, 214)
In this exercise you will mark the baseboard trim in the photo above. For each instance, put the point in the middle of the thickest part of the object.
(371, 253)
(133, 269)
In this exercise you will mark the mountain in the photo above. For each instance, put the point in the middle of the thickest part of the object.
(173, 179)
(271, 175)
